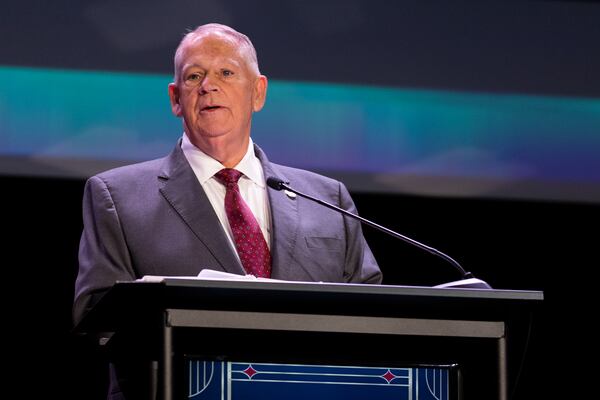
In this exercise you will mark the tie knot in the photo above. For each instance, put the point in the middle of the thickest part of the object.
(228, 176)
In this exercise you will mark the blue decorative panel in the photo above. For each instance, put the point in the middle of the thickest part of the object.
(210, 380)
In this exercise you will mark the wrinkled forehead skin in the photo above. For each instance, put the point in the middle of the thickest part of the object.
(245, 49)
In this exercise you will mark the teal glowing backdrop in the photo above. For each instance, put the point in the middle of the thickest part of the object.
(431, 142)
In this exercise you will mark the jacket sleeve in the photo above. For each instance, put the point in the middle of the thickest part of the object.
(360, 266)
(103, 254)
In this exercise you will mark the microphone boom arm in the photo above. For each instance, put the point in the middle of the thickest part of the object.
(461, 270)
(467, 281)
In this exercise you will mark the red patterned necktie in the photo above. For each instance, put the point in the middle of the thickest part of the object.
(247, 235)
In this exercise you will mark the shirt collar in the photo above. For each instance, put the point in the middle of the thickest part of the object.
(205, 166)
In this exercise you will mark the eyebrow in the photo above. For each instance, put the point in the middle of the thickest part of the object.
(195, 65)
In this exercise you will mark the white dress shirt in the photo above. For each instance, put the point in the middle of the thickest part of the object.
(252, 185)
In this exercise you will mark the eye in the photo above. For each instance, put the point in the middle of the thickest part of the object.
(227, 72)
(193, 78)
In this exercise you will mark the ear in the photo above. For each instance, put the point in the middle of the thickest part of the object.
(174, 97)
(260, 93)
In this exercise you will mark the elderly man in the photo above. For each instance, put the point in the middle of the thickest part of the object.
(206, 204)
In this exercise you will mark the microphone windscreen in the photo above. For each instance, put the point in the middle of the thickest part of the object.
(275, 183)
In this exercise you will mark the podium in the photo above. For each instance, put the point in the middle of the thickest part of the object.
(483, 333)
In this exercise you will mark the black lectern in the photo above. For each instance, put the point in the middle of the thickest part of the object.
(483, 332)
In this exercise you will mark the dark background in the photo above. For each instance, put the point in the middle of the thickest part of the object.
(515, 46)
(539, 47)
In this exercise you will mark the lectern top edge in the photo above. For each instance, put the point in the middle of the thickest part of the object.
(127, 299)
(351, 288)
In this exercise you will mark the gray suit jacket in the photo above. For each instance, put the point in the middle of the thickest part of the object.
(153, 218)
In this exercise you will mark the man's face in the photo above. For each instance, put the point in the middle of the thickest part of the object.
(217, 91)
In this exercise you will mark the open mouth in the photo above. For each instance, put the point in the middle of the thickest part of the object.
(210, 108)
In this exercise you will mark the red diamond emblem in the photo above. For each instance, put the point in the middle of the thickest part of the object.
(250, 371)
(388, 376)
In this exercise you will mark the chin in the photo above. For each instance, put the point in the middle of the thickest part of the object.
(210, 134)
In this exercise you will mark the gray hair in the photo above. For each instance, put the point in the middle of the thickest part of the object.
(239, 38)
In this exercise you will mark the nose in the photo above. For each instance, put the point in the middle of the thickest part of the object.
(208, 85)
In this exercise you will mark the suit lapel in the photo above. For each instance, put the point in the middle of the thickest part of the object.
(181, 189)
(284, 223)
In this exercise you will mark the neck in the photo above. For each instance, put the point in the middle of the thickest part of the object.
(226, 152)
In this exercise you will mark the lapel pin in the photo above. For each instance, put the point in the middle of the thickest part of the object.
(289, 194)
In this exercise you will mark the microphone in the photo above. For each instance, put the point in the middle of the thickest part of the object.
(467, 280)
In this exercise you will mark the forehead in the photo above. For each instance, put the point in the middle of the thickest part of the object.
(212, 45)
